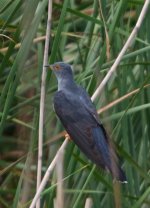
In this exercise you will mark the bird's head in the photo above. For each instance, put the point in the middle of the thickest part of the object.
(61, 70)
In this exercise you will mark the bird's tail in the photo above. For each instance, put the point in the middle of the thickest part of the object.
(119, 175)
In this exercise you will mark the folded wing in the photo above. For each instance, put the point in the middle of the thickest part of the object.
(85, 130)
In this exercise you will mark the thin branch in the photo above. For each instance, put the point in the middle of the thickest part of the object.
(48, 172)
(88, 202)
(5, 36)
(41, 38)
(42, 98)
(60, 186)
(126, 46)
(115, 102)
(35, 40)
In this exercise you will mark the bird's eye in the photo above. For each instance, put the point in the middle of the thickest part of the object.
(57, 67)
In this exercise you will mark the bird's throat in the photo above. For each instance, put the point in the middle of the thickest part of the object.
(65, 84)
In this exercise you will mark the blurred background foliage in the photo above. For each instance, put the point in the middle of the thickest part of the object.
(88, 35)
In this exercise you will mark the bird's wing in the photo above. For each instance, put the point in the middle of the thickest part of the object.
(82, 128)
(86, 100)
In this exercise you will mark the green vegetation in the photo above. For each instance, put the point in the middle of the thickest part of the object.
(78, 36)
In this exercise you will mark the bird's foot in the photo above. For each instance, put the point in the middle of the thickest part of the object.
(67, 136)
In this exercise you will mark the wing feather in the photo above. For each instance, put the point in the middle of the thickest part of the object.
(82, 128)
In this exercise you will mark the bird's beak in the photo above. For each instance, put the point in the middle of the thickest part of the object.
(49, 66)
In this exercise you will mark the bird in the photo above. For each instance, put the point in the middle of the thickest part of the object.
(80, 119)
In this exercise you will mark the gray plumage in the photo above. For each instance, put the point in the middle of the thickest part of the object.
(81, 121)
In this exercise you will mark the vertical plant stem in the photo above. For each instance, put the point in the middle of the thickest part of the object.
(88, 203)
(60, 186)
(42, 98)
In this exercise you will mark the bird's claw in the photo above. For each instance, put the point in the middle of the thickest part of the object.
(67, 136)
